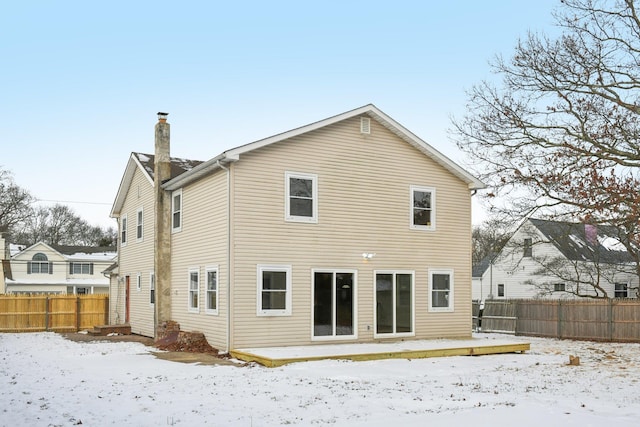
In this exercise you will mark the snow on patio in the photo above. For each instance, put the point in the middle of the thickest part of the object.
(47, 380)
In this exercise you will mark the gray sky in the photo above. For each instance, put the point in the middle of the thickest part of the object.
(82, 81)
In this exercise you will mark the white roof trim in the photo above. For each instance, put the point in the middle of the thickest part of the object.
(370, 109)
(125, 183)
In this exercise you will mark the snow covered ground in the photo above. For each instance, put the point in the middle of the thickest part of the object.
(46, 380)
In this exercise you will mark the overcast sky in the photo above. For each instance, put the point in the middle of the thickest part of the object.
(82, 81)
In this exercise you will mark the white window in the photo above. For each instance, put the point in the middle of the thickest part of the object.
(194, 289)
(501, 290)
(441, 290)
(152, 288)
(139, 225)
(559, 287)
(80, 268)
(527, 248)
(423, 208)
(123, 230)
(176, 211)
(274, 290)
(138, 282)
(621, 290)
(40, 264)
(334, 307)
(211, 297)
(394, 307)
(301, 197)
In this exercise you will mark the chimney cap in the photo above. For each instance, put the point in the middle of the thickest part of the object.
(162, 116)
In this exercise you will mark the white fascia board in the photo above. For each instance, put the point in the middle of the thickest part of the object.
(196, 173)
(125, 183)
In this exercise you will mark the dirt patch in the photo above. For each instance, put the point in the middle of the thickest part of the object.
(209, 355)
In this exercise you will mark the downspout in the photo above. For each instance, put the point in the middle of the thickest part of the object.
(228, 329)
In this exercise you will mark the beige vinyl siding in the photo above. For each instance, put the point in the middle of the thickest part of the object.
(364, 206)
(201, 243)
(136, 257)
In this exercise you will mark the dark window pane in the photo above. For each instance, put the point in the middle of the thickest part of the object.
(274, 280)
(422, 199)
(299, 187)
(322, 304)
(274, 300)
(344, 304)
(440, 281)
(301, 207)
(421, 217)
(384, 303)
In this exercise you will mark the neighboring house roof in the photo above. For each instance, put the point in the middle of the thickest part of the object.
(370, 110)
(145, 163)
(112, 269)
(479, 269)
(584, 242)
(85, 253)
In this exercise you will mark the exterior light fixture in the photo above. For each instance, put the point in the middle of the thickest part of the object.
(367, 255)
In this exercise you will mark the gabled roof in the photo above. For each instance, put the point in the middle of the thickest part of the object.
(477, 270)
(370, 110)
(584, 242)
(144, 162)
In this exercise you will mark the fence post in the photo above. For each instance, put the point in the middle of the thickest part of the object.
(610, 319)
(77, 313)
(46, 313)
(560, 319)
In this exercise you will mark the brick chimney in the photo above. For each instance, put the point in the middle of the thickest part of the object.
(162, 241)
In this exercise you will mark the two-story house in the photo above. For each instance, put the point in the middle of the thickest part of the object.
(555, 259)
(54, 269)
(349, 229)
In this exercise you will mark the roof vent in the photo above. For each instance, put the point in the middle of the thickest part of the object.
(365, 125)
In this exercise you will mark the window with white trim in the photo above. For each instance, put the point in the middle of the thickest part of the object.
(423, 208)
(500, 290)
(441, 290)
(621, 290)
(211, 297)
(123, 230)
(80, 268)
(152, 288)
(194, 289)
(138, 282)
(559, 287)
(176, 211)
(274, 290)
(301, 197)
(334, 308)
(394, 303)
(139, 225)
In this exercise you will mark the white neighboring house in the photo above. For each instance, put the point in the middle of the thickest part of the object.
(552, 259)
(42, 268)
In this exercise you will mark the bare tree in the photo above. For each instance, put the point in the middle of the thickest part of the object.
(561, 134)
(15, 202)
(488, 239)
(59, 225)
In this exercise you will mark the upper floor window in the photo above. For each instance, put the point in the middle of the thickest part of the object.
(123, 230)
(527, 248)
(139, 224)
(274, 290)
(80, 268)
(176, 211)
(559, 287)
(441, 290)
(423, 208)
(621, 291)
(301, 197)
(40, 264)
(500, 290)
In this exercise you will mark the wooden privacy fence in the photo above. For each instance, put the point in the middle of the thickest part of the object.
(58, 313)
(600, 320)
